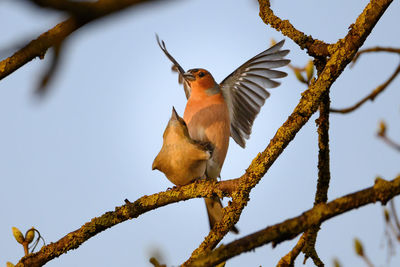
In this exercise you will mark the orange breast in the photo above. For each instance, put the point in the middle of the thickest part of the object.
(207, 118)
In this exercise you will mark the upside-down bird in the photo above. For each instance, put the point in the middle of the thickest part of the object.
(181, 158)
(214, 112)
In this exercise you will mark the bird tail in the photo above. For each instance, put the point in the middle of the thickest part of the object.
(214, 211)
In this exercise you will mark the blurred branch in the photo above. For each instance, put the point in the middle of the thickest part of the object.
(382, 191)
(359, 249)
(346, 49)
(87, 10)
(391, 229)
(52, 69)
(394, 215)
(315, 48)
(155, 263)
(126, 212)
(382, 134)
(39, 46)
(308, 70)
(390, 142)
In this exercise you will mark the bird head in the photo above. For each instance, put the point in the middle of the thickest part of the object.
(176, 127)
(199, 79)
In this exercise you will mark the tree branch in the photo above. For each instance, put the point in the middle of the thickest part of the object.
(375, 49)
(382, 191)
(289, 259)
(126, 212)
(345, 51)
(315, 48)
(87, 10)
(324, 176)
(390, 142)
(371, 96)
(39, 46)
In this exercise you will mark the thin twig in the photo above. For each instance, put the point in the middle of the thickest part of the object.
(371, 96)
(394, 214)
(375, 49)
(289, 259)
(390, 142)
(367, 261)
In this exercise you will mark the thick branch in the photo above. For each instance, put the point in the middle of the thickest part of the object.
(382, 191)
(126, 212)
(311, 98)
(315, 48)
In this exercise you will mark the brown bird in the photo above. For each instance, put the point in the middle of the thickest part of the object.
(181, 159)
(214, 112)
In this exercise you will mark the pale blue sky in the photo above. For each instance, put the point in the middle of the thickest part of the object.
(90, 143)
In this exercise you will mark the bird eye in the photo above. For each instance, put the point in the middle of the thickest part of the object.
(183, 122)
(201, 74)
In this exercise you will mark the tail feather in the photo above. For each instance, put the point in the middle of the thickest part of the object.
(214, 211)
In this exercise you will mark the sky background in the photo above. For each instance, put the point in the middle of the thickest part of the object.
(89, 144)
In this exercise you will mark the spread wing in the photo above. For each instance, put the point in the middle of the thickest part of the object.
(244, 89)
(175, 67)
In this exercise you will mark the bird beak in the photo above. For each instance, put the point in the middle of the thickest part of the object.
(188, 76)
(174, 115)
(154, 166)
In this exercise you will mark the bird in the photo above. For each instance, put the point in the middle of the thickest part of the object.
(214, 112)
(182, 159)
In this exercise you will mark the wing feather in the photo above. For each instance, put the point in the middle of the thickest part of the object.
(245, 89)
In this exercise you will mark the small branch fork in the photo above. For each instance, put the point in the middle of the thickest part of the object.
(315, 48)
